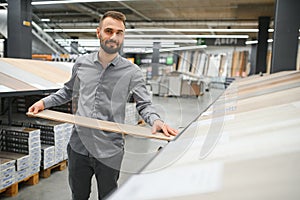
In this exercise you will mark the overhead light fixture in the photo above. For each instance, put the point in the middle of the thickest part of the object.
(141, 41)
(191, 30)
(37, 3)
(251, 42)
(256, 42)
(45, 20)
(179, 48)
(187, 36)
(161, 30)
(127, 43)
(70, 30)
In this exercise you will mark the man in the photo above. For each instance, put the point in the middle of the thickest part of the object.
(101, 83)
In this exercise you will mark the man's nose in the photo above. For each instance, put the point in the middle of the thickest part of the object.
(113, 35)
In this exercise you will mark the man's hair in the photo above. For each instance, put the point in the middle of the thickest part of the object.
(113, 14)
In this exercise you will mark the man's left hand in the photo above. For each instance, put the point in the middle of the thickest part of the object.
(159, 125)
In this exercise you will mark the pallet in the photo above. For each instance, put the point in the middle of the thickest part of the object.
(13, 190)
(58, 167)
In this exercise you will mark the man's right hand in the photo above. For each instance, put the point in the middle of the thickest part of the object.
(36, 107)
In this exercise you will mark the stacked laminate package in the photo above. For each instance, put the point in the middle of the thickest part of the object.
(31, 145)
(54, 139)
(7, 172)
(23, 147)
(24, 102)
(23, 151)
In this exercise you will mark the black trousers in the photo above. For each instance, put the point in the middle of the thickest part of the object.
(82, 168)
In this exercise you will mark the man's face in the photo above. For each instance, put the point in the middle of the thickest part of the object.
(111, 35)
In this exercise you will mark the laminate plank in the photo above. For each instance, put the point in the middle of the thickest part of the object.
(238, 105)
(25, 76)
(100, 124)
(40, 68)
(15, 84)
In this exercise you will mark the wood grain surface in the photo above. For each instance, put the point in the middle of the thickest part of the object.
(15, 84)
(100, 124)
(40, 68)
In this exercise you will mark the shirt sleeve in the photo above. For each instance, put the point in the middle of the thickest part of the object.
(143, 98)
(64, 94)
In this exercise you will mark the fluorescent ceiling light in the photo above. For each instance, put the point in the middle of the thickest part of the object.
(187, 36)
(160, 30)
(256, 42)
(152, 36)
(251, 42)
(151, 45)
(184, 48)
(191, 30)
(70, 30)
(179, 48)
(127, 43)
(36, 3)
(186, 41)
(45, 20)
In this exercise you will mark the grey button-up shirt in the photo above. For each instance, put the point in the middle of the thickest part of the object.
(102, 93)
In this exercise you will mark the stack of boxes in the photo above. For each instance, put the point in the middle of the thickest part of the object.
(7, 172)
(24, 151)
(24, 146)
(55, 134)
(48, 156)
(23, 103)
(68, 132)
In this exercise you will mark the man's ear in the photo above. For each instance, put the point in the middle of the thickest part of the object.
(98, 32)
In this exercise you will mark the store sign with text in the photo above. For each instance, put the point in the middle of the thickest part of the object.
(222, 41)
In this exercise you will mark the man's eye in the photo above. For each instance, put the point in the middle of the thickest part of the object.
(108, 31)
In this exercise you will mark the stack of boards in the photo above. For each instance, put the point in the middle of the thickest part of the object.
(19, 75)
(245, 146)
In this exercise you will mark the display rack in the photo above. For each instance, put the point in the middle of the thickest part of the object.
(21, 79)
(246, 145)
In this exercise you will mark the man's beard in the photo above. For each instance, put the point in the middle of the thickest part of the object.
(108, 49)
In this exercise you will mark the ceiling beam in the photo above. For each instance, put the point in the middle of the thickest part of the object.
(135, 11)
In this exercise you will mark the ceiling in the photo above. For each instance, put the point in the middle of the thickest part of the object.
(156, 15)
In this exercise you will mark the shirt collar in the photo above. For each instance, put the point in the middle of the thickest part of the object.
(113, 63)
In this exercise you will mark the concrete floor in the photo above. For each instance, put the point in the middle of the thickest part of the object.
(177, 112)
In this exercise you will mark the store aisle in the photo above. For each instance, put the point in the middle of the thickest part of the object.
(177, 112)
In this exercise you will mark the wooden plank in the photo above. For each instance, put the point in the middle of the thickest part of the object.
(225, 107)
(40, 68)
(13, 83)
(271, 85)
(259, 80)
(100, 124)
